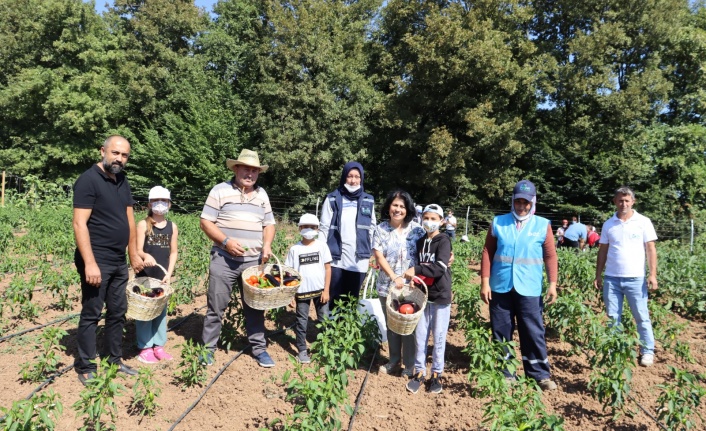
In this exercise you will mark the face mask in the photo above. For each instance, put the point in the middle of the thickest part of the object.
(430, 226)
(352, 189)
(309, 233)
(160, 208)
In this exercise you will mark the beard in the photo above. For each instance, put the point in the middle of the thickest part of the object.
(113, 168)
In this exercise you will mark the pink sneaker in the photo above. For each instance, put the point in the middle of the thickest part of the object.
(160, 354)
(147, 356)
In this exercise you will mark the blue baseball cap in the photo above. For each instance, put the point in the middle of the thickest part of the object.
(524, 189)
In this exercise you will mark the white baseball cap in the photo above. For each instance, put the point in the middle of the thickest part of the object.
(308, 219)
(159, 192)
(434, 208)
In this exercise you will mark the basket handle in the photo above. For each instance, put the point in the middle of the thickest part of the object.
(426, 288)
(369, 282)
(158, 266)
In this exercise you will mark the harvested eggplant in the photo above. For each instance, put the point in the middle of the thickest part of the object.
(271, 278)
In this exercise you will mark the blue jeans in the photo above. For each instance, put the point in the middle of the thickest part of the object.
(152, 333)
(435, 319)
(635, 290)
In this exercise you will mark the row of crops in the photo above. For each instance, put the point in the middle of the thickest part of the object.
(37, 243)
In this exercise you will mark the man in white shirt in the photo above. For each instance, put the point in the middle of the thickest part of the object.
(627, 238)
(450, 223)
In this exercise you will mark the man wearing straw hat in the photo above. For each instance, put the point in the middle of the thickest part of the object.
(238, 218)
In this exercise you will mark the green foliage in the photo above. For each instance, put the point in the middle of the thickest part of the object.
(233, 323)
(98, 399)
(319, 389)
(39, 413)
(193, 372)
(145, 393)
(520, 407)
(679, 400)
(47, 360)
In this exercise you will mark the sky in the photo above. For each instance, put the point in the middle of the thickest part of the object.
(206, 4)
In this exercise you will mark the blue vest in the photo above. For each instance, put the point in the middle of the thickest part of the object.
(364, 220)
(519, 259)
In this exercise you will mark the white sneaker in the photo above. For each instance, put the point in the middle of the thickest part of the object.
(648, 359)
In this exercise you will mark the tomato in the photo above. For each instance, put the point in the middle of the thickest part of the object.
(406, 309)
(253, 280)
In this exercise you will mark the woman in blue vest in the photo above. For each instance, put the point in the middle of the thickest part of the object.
(517, 246)
(347, 225)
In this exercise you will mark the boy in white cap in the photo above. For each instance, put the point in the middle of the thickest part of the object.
(312, 259)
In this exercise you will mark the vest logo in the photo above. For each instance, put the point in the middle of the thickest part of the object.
(534, 234)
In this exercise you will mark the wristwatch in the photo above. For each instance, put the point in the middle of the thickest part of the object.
(224, 242)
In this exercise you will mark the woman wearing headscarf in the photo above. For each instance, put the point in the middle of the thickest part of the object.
(516, 247)
(347, 225)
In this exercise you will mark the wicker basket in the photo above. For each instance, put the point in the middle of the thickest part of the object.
(405, 324)
(142, 307)
(267, 299)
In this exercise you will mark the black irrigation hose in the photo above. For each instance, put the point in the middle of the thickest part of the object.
(359, 398)
(64, 370)
(647, 412)
(17, 334)
(218, 374)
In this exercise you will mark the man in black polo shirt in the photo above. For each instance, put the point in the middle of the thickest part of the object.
(104, 226)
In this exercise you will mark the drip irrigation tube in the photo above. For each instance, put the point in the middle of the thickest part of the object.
(218, 374)
(647, 412)
(17, 334)
(362, 389)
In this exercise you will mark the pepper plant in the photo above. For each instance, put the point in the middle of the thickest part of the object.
(47, 359)
(98, 399)
(39, 413)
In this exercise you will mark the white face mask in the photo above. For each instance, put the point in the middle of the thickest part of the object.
(160, 208)
(309, 233)
(352, 189)
(430, 226)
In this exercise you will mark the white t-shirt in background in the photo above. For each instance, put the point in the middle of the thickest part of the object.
(626, 245)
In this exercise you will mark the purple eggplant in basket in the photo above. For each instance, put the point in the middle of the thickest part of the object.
(271, 278)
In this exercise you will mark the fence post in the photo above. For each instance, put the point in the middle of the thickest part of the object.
(467, 211)
(3, 189)
(692, 236)
(317, 206)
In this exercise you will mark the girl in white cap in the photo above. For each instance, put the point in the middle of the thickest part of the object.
(156, 244)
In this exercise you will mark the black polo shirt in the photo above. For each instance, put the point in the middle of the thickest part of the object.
(108, 225)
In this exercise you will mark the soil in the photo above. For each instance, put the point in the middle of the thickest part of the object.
(247, 397)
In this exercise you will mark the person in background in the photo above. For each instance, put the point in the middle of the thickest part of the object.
(395, 246)
(575, 235)
(450, 224)
(628, 237)
(156, 244)
(347, 225)
(104, 225)
(434, 264)
(238, 218)
(418, 214)
(560, 232)
(312, 259)
(516, 247)
(593, 236)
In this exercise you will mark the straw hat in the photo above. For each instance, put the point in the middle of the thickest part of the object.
(247, 158)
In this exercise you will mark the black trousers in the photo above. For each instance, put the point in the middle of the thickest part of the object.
(344, 282)
(110, 293)
(569, 243)
(504, 309)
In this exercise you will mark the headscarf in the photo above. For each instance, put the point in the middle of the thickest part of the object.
(342, 188)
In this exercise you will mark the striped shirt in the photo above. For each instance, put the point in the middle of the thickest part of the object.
(239, 217)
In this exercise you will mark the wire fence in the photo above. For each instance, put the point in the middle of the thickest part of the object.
(471, 219)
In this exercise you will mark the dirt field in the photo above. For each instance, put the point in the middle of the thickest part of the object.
(247, 397)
